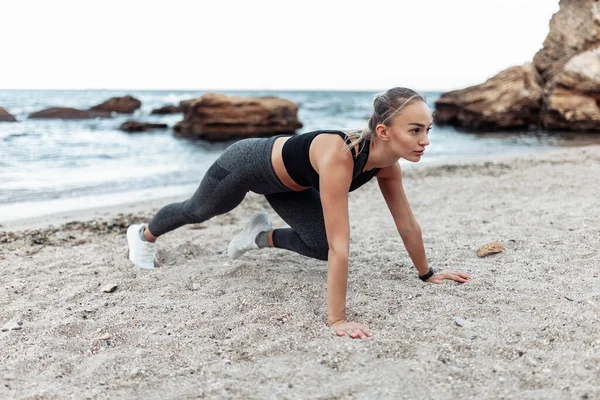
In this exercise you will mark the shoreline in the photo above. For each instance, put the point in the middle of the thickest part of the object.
(88, 214)
(56, 219)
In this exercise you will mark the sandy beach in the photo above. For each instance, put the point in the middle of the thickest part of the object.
(201, 326)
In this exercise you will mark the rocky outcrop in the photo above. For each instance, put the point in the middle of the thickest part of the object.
(574, 29)
(572, 97)
(511, 99)
(136, 126)
(121, 105)
(167, 110)
(5, 116)
(560, 90)
(68, 113)
(218, 117)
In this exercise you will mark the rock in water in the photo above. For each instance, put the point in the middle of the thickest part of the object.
(67, 113)
(167, 110)
(122, 105)
(5, 116)
(218, 117)
(136, 126)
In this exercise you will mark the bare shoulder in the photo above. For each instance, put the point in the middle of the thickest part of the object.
(390, 172)
(329, 150)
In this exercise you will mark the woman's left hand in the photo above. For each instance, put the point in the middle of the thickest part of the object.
(457, 276)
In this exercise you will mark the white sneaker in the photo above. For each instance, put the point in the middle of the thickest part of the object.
(141, 253)
(246, 239)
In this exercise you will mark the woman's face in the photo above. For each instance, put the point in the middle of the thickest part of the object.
(408, 131)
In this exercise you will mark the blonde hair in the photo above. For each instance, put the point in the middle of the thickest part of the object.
(385, 107)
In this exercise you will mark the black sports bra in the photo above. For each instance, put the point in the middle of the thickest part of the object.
(295, 154)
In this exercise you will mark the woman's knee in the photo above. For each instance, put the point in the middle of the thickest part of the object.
(321, 251)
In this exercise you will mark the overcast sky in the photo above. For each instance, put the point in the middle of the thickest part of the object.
(259, 44)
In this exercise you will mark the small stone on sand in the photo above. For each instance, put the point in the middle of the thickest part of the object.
(10, 326)
(111, 287)
(490, 248)
(465, 323)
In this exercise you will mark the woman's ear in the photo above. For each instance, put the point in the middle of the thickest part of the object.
(382, 132)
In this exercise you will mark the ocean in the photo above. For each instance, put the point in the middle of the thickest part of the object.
(50, 166)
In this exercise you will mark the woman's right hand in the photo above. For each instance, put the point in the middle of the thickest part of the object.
(352, 329)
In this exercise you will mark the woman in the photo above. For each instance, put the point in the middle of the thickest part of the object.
(306, 179)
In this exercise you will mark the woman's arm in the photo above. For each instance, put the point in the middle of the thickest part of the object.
(335, 176)
(390, 183)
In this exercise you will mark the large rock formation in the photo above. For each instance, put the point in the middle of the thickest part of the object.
(561, 90)
(574, 29)
(5, 116)
(68, 113)
(123, 105)
(218, 117)
(572, 96)
(510, 99)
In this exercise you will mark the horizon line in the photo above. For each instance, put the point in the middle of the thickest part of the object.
(218, 90)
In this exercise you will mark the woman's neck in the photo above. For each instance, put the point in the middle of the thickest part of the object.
(379, 156)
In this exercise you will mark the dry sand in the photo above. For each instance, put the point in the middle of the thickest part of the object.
(202, 326)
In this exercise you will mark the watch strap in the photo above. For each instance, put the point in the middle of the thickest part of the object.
(427, 275)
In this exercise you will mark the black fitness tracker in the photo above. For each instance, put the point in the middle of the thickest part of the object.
(427, 275)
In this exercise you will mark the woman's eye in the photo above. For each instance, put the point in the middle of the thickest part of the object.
(417, 130)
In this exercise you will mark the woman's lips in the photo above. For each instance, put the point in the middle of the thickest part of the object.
(420, 153)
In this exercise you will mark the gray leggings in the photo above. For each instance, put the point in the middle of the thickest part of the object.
(246, 166)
